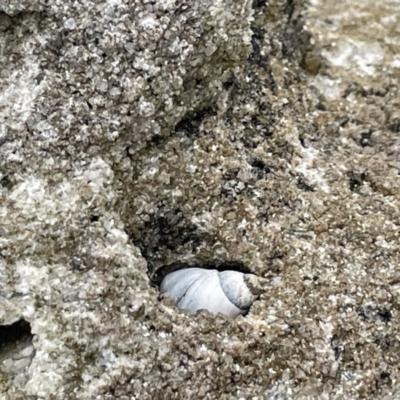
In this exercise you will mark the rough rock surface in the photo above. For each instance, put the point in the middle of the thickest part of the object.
(136, 134)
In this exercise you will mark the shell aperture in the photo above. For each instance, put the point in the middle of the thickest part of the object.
(227, 292)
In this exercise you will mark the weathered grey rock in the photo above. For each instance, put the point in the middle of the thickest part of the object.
(118, 72)
(135, 135)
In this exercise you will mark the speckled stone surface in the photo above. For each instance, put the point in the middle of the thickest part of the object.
(137, 134)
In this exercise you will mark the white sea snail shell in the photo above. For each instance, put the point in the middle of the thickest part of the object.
(226, 292)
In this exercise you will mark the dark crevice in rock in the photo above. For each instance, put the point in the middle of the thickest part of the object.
(262, 169)
(356, 179)
(231, 83)
(256, 42)
(365, 139)
(257, 4)
(303, 185)
(337, 346)
(159, 141)
(296, 41)
(384, 379)
(94, 218)
(169, 230)
(22, 20)
(190, 124)
(226, 266)
(6, 182)
(373, 315)
(55, 44)
(11, 336)
(163, 233)
(394, 125)
(384, 315)
(5, 21)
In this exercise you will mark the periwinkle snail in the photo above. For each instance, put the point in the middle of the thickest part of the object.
(226, 292)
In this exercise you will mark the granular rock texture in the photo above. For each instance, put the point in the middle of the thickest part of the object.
(138, 134)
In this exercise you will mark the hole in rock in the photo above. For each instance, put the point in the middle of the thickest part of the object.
(15, 336)
(167, 231)
(6, 183)
(356, 179)
(224, 287)
(94, 218)
(190, 124)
